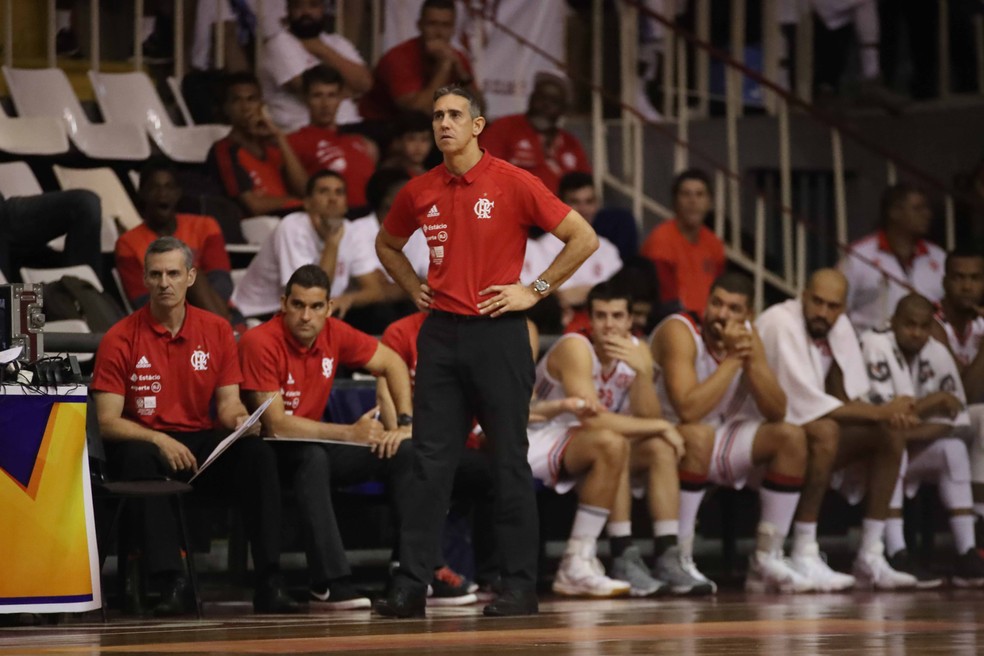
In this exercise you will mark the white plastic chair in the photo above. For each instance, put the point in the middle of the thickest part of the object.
(174, 84)
(47, 92)
(32, 135)
(131, 98)
(116, 203)
(82, 271)
(17, 179)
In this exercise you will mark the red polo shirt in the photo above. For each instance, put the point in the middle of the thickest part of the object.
(273, 359)
(476, 226)
(239, 171)
(401, 336)
(167, 382)
(201, 233)
(346, 154)
(513, 139)
(402, 70)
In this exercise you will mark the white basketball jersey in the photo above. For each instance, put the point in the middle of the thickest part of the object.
(612, 385)
(965, 346)
(705, 364)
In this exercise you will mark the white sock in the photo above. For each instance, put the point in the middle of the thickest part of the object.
(689, 505)
(894, 536)
(666, 527)
(619, 529)
(963, 532)
(871, 533)
(589, 521)
(804, 534)
(768, 538)
(778, 508)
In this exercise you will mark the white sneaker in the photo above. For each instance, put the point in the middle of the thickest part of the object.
(687, 565)
(810, 565)
(578, 574)
(770, 572)
(872, 571)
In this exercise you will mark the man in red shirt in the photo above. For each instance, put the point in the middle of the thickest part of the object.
(534, 141)
(294, 357)
(407, 76)
(159, 195)
(255, 165)
(475, 362)
(687, 255)
(158, 374)
(320, 146)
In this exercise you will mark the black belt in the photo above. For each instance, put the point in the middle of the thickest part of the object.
(452, 316)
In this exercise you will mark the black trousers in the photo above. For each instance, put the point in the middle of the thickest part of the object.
(246, 475)
(313, 470)
(471, 368)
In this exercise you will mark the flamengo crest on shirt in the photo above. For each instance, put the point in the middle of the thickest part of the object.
(199, 360)
(483, 208)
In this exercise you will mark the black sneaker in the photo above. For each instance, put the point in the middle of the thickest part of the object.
(401, 602)
(969, 570)
(925, 580)
(338, 595)
(450, 589)
(513, 602)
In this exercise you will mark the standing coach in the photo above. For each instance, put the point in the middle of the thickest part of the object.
(475, 361)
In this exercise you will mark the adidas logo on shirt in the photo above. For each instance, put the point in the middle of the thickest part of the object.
(433, 212)
(143, 363)
(290, 378)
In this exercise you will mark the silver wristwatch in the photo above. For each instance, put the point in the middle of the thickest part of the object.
(541, 286)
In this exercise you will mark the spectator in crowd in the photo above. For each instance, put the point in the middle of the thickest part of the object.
(28, 223)
(472, 486)
(927, 372)
(159, 194)
(535, 141)
(255, 163)
(687, 254)
(715, 372)
(618, 226)
(412, 144)
(407, 75)
(960, 327)
(319, 235)
(294, 358)
(166, 385)
(241, 24)
(831, 50)
(319, 145)
(811, 346)
(299, 48)
(884, 266)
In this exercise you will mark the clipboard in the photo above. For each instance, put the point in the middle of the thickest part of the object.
(312, 440)
(235, 435)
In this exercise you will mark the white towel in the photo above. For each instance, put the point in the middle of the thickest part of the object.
(797, 364)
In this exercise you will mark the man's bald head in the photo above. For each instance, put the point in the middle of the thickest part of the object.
(823, 301)
(914, 304)
(829, 282)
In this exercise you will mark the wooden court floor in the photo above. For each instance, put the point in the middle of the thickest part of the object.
(946, 622)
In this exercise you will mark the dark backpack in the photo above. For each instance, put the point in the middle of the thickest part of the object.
(74, 298)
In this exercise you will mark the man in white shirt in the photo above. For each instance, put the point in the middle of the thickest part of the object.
(319, 235)
(303, 45)
(888, 264)
(904, 361)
